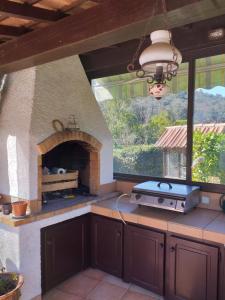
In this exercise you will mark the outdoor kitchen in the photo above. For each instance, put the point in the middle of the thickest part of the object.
(112, 147)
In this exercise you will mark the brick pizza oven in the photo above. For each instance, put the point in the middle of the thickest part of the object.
(88, 150)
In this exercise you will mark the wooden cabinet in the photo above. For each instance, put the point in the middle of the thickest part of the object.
(144, 258)
(165, 264)
(65, 249)
(107, 241)
(191, 270)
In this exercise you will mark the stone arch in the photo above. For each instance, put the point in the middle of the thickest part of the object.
(61, 137)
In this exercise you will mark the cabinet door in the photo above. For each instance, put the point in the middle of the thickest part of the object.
(64, 250)
(107, 249)
(192, 270)
(144, 258)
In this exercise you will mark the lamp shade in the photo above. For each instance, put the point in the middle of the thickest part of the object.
(160, 54)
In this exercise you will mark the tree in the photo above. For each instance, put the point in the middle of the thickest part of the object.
(208, 149)
(122, 122)
(156, 126)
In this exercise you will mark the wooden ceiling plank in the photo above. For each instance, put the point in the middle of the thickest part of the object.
(27, 11)
(101, 26)
(12, 31)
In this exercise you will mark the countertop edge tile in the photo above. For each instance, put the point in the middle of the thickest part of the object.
(213, 236)
(186, 230)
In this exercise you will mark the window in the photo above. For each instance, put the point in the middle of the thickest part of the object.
(149, 136)
(209, 121)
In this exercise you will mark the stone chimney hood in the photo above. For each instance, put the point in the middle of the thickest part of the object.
(33, 98)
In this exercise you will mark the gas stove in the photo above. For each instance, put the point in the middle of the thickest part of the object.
(169, 196)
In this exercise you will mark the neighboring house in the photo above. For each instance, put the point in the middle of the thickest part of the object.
(173, 142)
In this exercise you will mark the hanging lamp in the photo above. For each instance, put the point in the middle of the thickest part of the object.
(159, 62)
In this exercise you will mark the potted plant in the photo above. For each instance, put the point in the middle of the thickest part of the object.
(19, 208)
(10, 284)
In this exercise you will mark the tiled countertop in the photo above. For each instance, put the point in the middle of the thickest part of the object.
(54, 210)
(199, 223)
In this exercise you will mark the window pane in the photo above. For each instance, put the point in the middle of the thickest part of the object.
(209, 121)
(149, 136)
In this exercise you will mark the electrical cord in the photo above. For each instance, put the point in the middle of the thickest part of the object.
(117, 207)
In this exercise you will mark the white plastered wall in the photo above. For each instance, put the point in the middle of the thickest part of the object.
(15, 121)
(35, 97)
(20, 250)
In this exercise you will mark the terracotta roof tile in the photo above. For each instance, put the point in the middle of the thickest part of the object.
(176, 136)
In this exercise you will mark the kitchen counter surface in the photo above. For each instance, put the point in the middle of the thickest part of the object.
(199, 223)
(55, 209)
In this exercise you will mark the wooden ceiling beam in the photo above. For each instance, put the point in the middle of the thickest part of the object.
(12, 31)
(29, 12)
(107, 24)
(196, 39)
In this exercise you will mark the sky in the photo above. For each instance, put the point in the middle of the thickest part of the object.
(217, 90)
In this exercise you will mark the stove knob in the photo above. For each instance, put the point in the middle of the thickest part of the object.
(137, 196)
(182, 204)
(160, 200)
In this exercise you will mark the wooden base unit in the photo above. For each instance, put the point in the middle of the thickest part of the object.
(191, 270)
(174, 266)
(107, 245)
(65, 250)
(144, 258)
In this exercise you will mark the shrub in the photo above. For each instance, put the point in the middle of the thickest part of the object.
(139, 160)
(210, 147)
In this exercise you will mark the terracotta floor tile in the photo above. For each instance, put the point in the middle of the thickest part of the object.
(137, 289)
(107, 291)
(116, 281)
(94, 273)
(79, 285)
(135, 296)
(56, 294)
(93, 284)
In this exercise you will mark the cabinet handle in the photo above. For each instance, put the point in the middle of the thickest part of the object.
(172, 249)
(49, 243)
(118, 234)
(161, 245)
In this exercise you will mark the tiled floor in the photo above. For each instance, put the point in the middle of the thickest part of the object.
(96, 285)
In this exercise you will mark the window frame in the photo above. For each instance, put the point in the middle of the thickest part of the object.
(190, 58)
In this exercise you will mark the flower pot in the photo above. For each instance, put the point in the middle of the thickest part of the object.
(17, 281)
(7, 208)
(19, 208)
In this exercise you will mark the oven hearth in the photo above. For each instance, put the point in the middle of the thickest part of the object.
(66, 172)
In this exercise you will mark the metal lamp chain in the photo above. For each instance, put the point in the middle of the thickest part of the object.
(131, 66)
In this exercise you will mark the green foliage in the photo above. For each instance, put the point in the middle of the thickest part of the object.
(7, 283)
(121, 121)
(210, 147)
(156, 126)
(180, 122)
(139, 160)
